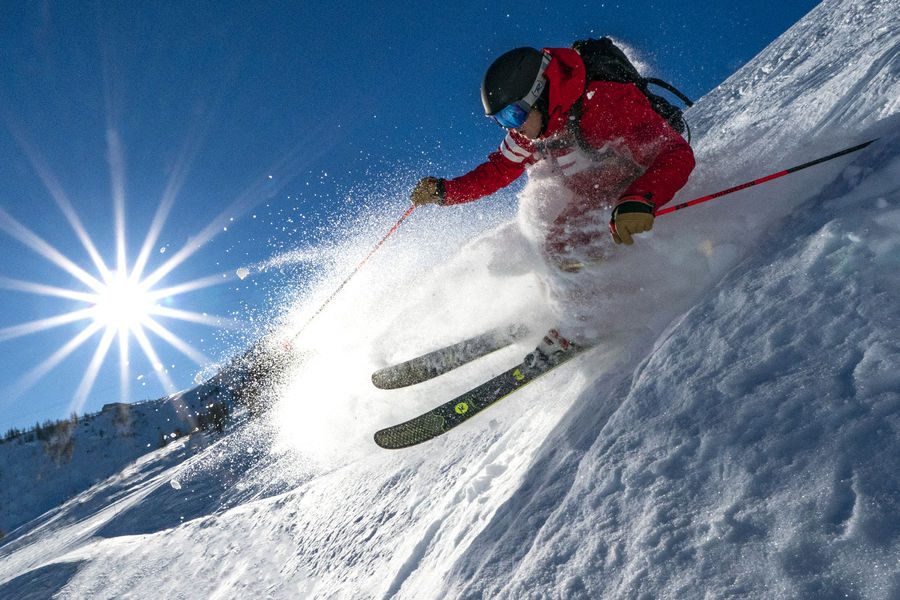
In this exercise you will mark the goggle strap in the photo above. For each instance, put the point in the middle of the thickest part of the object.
(537, 88)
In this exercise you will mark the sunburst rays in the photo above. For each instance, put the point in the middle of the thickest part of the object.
(117, 303)
(97, 278)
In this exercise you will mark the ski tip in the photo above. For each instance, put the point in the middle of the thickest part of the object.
(380, 381)
(390, 379)
(385, 440)
(412, 432)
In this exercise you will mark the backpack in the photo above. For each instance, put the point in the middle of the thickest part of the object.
(605, 61)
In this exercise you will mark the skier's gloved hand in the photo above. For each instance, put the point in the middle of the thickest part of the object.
(429, 190)
(632, 214)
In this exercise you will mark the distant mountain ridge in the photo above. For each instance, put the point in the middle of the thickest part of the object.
(43, 467)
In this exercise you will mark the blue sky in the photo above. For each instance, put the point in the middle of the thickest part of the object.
(244, 118)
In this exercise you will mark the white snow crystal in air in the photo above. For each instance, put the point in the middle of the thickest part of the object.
(242, 272)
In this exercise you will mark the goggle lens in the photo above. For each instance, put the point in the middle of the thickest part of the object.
(512, 116)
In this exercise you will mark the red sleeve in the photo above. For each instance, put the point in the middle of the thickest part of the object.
(620, 112)
(667, 174)
(503, 167)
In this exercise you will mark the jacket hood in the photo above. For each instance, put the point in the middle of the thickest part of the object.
(566, 75)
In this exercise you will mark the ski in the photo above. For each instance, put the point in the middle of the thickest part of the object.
(448, 415)
(429, 366)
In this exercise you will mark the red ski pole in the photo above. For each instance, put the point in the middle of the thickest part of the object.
(744, 186)
(355, 271)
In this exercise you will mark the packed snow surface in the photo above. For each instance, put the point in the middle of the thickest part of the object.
(735, 434)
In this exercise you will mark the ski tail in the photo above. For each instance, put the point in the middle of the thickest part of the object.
(433, 364)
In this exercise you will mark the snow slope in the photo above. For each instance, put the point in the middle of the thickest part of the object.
(90, 449)
(741, 443)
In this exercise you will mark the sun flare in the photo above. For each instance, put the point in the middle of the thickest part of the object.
(129, 302)
(123, 304)
(119, 303)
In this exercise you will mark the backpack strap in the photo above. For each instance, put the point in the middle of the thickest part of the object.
(669, 87)
(573, 125)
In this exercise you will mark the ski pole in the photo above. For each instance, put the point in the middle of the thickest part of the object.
(744, 186)
(355, 271)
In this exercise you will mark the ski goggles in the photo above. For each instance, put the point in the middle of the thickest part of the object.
(513, 116)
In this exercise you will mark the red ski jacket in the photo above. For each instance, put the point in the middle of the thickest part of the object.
(626, 147)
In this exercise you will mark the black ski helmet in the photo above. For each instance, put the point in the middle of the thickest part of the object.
(510, 78)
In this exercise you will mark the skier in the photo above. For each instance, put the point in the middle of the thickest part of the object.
(612, 153)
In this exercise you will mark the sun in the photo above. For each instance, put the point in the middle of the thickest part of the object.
(119, 303)
(121, 299)
(123, 304)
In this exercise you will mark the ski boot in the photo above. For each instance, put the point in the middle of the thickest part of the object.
(549, 352)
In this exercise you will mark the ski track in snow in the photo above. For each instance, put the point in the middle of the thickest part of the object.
(742, 443)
